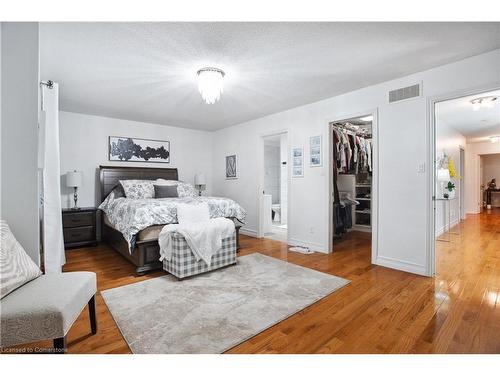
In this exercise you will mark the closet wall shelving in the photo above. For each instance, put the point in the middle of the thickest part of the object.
(362, 214)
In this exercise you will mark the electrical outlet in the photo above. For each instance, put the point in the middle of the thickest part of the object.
(421, 168)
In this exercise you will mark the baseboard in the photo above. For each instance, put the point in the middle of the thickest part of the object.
(249, 232)
(440, 231)
(401, 265)
(311, 245)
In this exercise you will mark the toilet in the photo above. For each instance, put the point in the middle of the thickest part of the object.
(276, 208)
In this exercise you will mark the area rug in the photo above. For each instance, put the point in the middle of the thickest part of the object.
(213, 312)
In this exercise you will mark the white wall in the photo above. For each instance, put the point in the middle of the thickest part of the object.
(84, 147)
(472, 180)
(491, 169)
(403, 131)
(448, 141)
(19, 132)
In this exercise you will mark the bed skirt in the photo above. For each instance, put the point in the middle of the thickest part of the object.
(183, 263)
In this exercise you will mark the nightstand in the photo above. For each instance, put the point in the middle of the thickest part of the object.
(79, 227)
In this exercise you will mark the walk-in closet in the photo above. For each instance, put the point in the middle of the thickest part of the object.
(352, 166)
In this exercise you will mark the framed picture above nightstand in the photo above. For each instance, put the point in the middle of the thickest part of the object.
(79, 227)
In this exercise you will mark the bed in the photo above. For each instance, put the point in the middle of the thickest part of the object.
(140, 247)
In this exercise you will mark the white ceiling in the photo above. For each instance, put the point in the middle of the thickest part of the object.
(147, 71)
(476, 126)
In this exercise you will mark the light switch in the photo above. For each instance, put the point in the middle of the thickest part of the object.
(421, 168)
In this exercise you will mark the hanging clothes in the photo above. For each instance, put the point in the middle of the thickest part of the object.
(342, 213)
(369, 150)
(353, 151)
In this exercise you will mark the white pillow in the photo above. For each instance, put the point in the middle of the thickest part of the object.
(192, 213)
(138, 189)
(16, 267)
(185, 189)
(163, 182)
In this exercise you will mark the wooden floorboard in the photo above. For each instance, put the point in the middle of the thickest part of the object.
(381, 311)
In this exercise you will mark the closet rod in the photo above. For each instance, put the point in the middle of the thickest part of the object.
(350, 127)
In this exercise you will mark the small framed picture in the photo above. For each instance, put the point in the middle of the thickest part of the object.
(231, 167)
(315, 151)
(297, 162)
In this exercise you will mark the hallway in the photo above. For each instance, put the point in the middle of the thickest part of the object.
(468, 283)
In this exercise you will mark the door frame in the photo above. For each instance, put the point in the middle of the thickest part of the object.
(262, 136)
(431, 162)
(375, 178)
(461, 201)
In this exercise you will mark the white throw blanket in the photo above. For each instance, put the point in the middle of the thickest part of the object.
(204, 238)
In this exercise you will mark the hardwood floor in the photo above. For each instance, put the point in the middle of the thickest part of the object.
(381, 311)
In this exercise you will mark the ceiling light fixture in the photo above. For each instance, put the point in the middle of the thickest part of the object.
(483, 102)
(210, 84)
(367, 118)
(495, 139)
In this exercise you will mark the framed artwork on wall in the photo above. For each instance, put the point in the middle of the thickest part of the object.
(231, 168)
(138, 149)
(315, 151)
(298, 162)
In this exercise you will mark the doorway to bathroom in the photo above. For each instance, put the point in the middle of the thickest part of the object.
(274, 202)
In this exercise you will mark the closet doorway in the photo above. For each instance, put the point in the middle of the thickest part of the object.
(353, 172)
(274, 200)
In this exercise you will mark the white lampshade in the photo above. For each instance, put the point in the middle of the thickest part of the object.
(74, 179)
(199, 179)
(443, 175)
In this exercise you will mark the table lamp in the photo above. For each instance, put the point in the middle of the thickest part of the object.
(199, 182)
(74, 180)
(443, 175)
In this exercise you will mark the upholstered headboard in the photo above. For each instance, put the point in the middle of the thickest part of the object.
(110, 176)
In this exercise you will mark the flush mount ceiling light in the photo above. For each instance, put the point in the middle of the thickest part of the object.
(367, 118)
(210, 84)
(484, 102)
(495, 139)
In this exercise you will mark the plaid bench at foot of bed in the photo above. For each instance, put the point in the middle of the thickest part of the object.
(183, 263)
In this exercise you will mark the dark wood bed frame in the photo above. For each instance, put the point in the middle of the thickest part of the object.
(145, 254)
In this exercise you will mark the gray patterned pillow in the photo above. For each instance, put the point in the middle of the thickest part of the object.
(185, 189)
(16, 267)
(138, 189)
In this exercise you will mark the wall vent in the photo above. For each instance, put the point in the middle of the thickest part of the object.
(405, 93)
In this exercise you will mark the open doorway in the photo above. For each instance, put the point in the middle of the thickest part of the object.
(466, 129)
(274, 210)
(490, 182)
(352, 167)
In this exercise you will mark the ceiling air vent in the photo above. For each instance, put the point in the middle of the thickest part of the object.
(404, 93)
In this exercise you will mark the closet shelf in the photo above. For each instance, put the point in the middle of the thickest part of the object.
(363, 185)
(363, 212)
(363, 199)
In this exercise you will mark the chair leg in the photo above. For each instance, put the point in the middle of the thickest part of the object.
(60, 345)
(93, 320)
